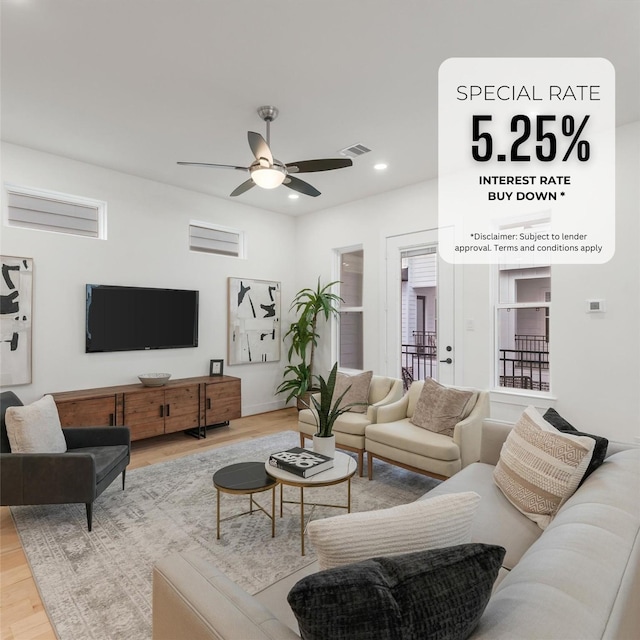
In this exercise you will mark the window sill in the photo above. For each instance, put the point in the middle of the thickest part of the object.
(516, 396)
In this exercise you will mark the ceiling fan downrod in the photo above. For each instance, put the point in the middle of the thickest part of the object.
(268, 113)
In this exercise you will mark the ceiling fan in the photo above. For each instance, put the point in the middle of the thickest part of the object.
(268, 172)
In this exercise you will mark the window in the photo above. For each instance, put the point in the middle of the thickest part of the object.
(350, 329)
(57, 212)
(522, 327)
(222, 241)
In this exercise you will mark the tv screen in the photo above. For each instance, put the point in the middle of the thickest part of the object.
(134, 318)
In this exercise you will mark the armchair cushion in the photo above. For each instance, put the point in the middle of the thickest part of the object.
(404, 436)
(105, 458)
(440, 593)
(356, 388)
(441, 521)
(35, 428)
(440, 408)
(349, 422)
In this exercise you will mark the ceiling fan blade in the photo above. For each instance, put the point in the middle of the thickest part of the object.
(308, 166)
(215, 166)
(300, 186)
(259, 146)
(245, 186)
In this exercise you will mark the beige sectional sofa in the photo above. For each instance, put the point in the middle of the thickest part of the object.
(579, 578)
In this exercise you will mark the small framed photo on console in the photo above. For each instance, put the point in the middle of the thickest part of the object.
(215, 367)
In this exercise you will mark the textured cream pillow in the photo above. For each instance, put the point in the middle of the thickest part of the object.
(359, 391)
(540, 467)
(441, 521)
(440, 408)
(35, 428)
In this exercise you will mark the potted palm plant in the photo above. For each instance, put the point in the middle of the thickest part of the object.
(309, 305)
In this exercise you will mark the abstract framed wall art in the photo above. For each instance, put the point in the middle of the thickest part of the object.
(254, 321)
(16, 289)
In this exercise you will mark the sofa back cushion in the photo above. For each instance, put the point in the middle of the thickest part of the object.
(540, 468)
(580, 579)
(439, 593)
(35, 428)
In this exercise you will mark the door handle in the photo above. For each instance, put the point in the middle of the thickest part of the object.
(447, 361)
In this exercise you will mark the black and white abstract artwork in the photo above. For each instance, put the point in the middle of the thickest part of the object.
(16, 286)
(254, 321)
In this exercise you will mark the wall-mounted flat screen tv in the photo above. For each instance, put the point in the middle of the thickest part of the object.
(135, 318)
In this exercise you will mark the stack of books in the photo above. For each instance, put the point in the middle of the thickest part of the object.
(301, 462)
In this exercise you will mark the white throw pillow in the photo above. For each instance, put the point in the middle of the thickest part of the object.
(540, 467)
(441, 521)
(35, 428)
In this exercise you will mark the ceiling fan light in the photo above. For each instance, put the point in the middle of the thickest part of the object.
(268, 178)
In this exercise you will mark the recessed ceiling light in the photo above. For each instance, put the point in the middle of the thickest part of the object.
(380, 166)
(293, 196)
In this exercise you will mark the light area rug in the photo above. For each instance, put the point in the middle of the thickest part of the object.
(97, 586)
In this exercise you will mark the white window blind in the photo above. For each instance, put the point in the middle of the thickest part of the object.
(61, 213)
(218, 240)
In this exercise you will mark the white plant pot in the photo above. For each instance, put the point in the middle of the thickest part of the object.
(325, 446)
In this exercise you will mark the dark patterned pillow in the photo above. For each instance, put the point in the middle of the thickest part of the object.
(440, 593)
(599, 450)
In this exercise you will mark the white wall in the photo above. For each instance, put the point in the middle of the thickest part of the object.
(364, 223)
(147, 245)
(596, 390)
(594, 358)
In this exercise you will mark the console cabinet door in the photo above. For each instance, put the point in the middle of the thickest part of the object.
(88, 412)
(223, 401)
(144, 413)
(182, 408)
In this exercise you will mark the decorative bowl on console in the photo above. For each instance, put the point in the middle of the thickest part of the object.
(154, 379)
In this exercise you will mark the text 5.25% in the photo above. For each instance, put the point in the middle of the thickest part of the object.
(523, 126)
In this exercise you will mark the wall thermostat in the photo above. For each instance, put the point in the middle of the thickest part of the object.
(595, 306)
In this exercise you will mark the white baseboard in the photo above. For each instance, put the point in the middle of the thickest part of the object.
(253, 409)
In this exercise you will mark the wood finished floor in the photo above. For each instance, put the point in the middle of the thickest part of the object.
(22, 615)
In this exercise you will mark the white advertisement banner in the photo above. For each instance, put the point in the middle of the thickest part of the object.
(526, 155)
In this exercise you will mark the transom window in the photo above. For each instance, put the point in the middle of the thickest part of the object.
(211, 238)
(43, 210)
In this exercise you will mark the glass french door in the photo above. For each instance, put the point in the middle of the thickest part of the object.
(419, 309)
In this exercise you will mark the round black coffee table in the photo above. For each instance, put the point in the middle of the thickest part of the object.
(245, 478)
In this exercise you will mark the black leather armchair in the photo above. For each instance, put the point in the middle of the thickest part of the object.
(95, 457)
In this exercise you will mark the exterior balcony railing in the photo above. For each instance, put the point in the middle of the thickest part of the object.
(524, 369)
(419, 361)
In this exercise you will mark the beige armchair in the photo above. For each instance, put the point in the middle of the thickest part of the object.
(349, 428)
(396, 440)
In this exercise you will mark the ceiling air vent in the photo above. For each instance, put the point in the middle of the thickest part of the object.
(354, 150)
